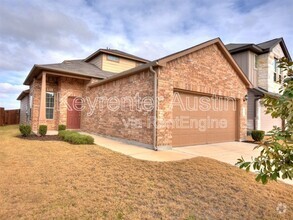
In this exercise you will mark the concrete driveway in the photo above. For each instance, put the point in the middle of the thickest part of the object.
(227, 152)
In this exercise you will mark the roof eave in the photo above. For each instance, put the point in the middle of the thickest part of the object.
(40, 68)
(23, 94)
(126, 73)
(251, 47)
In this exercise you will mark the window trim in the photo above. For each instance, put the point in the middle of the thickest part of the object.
(277, 72)
(53, 108)
(255, 66)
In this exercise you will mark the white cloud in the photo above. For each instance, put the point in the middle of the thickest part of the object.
(7, 89)
(36, 31)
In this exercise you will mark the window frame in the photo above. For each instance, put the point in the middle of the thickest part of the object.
(277, 72)
(50, 107)
(113, 56)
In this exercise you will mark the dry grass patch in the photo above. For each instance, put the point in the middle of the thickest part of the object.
(53, 179)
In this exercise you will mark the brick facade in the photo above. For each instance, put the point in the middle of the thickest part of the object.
(204, 71)
(62, 87)
(129, 121)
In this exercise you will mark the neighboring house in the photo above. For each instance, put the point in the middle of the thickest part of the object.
(259, 63)
(205, 72)
(24, 106)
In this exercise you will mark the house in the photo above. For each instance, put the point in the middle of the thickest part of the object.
(259, 63)
(194, 96)
(51, 84)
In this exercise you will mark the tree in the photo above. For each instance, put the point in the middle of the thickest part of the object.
(276, 156)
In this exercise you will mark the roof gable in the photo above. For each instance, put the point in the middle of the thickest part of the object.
(221, 46)
(70, 67)
(116, 53)
(23, 94)
(166, 59)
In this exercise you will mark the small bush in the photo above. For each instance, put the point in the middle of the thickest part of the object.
(61, 127)
(43, 130)
(25, 130)
(75, 138)
(257, 135)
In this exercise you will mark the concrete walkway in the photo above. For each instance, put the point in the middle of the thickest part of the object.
(227, 152)
(137, 151)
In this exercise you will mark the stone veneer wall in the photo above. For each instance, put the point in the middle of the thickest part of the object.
(128, 123)
(204, 71)
(266, 69)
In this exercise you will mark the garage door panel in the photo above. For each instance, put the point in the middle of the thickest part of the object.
(204, 126)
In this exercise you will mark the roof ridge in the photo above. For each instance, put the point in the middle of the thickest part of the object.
(278, 38)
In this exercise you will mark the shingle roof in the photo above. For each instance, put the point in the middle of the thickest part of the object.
(78, 66)
(81, 67)
(118, 53)
(269, 44)
(71, 67)
(260, 48)
(235, 46)
(162, 62)
(23, 94)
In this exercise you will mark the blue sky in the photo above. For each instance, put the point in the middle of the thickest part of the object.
(38, 32)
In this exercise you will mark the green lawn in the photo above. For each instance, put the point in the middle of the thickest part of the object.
(52, 179)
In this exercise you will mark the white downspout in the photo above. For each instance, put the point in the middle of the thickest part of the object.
(155, 107)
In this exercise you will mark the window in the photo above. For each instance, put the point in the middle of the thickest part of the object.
(255, 61)
(277, 72)
(49, 105)
(30, 107)
(113, 58)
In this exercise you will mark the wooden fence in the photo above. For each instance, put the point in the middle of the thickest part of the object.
(9, 117)
(2, 116)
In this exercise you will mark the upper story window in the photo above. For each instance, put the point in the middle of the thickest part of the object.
(277, 72)
(113, 58)
(50, 98)
(255, 61)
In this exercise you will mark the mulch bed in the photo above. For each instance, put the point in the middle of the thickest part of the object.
(41, 138)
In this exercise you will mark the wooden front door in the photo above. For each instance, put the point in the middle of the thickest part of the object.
(73, 113)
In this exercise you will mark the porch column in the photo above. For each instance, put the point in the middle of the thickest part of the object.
(42, 116)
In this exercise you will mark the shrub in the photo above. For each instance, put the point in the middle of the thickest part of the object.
(61, 127)
(257, 135)
(75, 138)
(43, 130)
(25, 130)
